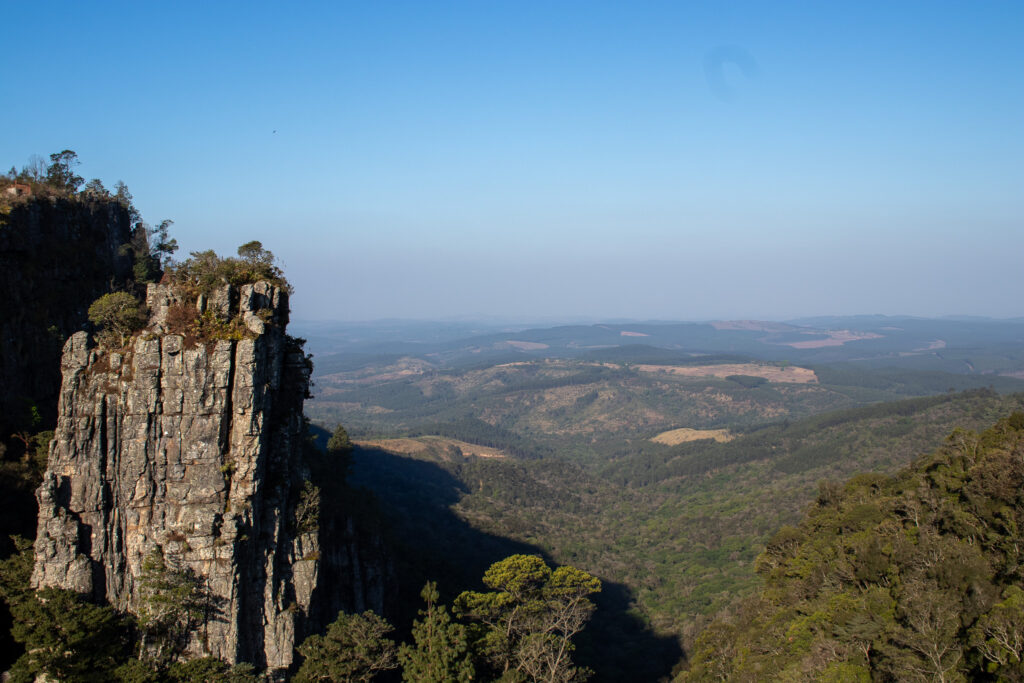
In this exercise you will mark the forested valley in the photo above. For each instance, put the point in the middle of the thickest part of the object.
(722, 502)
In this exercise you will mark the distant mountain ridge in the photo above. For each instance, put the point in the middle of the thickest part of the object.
(960, 346)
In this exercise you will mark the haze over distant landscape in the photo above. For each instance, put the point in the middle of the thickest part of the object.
(525, 160)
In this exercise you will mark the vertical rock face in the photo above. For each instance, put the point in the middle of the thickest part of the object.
(56, 257)
(194, 448)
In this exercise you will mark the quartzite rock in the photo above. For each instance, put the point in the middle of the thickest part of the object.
(195, 449)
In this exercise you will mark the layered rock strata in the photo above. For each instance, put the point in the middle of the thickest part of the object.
(194, 448)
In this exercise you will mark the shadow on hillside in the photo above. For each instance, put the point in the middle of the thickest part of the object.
(432, 543)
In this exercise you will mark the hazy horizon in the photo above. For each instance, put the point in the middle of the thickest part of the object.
(536, 161)
(554, 321)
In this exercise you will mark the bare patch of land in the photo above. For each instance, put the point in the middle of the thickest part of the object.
(674, 437)
(527, 345)
(772, 373)
(439, 446)
(835, 338)
(752, 325)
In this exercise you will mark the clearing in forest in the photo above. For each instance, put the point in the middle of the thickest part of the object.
(772, 373)
(438, 446)
(674, 437)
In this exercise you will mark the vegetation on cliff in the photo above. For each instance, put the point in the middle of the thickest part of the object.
(521, 630)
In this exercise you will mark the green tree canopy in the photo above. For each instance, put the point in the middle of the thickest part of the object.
(914, 577)
(204, 270)
(355, 648)
(339, 444)
(527, 622)
(120, 314)
(60, 173)
(172, 603)
(441, 654)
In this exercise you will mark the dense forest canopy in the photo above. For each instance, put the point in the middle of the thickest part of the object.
(913, 577)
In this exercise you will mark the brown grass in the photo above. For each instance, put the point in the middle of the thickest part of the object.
(835, 338)
(674, 437)
(772, 373)
(432, 445)
(526, 345)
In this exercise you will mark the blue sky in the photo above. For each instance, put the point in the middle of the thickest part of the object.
(643, 160)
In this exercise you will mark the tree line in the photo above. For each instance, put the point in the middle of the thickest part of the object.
(521, 629)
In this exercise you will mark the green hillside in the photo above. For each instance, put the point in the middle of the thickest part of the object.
(910, 577)
(680, 544)
(598, 410)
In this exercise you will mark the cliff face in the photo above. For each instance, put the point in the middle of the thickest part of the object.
(56, 257)
(196, 449)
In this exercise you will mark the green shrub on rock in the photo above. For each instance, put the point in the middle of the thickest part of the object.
(118, 315)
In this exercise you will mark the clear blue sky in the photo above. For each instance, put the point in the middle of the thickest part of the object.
(645, 159)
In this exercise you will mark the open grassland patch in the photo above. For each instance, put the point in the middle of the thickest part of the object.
(440, 447)
(834, 338)
(674, 437)
(526, 345)
(772, 373)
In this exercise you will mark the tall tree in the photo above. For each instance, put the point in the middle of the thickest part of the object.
(441, 654)
(172, 605)
(60, 173)
(355, 648)
(529, 619)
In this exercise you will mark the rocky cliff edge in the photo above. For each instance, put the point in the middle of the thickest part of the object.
(193, 448)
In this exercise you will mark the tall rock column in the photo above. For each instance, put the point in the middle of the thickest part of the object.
(191, 448)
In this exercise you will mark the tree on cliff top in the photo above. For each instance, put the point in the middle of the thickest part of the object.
(202, 271)
(118, 315)
(151, 249)
(60, 173)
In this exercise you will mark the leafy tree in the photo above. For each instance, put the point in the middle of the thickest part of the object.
(529, 619)
(162, 246)
(339, 444)
(64, 635)
(999, 635)
(355, 648)
(125, 198)
(254, 253)
(339, 450)
(172, 603)
(204, 270)
(892, 579)
(441, 654)
(151, 249)
(95, 188)
(209, 669)
(60, 173)
(119, 314)
(307, 508)
(255, 263)
(67, 637)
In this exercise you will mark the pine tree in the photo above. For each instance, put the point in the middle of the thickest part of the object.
(442, 646)
(355, 648)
